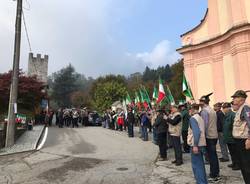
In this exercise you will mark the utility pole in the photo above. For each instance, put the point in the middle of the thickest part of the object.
(10, 132)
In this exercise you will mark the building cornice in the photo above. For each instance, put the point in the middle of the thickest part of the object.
(234, 30)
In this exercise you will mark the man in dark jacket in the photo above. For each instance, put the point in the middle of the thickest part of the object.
(185, 124)
(161, 130)
(228, 135)
(220, 122)
(131, 122)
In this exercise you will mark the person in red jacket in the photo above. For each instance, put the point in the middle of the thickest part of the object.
(120, 121)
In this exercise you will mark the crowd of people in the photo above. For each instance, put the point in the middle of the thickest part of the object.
(72, 117)
(195, 128)
(64, 117)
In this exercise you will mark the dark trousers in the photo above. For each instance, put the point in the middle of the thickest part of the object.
(155, 136)
(112, 124)
(75, 122)
(120, 127)
(162, 143)
(177, 148)
(233, 153)
(150, 127)
(85, 121)
(67, 121)
(130, 130)
(244, 159)
(60, 122)
(213, 158)
(144, 133)
(169, 140)
(186, 147)
(125, 125)
(57, 120)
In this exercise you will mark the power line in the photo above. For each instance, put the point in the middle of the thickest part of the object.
(26, 31)
(27, 36)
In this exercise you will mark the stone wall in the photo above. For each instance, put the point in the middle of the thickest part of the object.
(38, 66)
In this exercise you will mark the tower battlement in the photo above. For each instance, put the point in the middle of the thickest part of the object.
(38, 66)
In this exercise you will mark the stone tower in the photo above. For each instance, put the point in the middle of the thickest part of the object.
(38, 66)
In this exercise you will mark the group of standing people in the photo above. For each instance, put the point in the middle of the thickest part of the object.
(197, 129)
(120, 121)
(201, 127)
(228, 123)
(71, 117)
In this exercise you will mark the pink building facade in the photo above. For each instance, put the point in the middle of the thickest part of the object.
(217, 52)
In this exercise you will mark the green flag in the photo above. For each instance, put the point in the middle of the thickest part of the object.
(146, 95)
(137, 98)
(186, 90)
(170, 96)
(128, 99)
(144, 99)
(155, 94)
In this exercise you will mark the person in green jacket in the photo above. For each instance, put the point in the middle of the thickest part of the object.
(228, 136)
(185, 124)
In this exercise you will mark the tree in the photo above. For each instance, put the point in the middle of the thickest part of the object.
(64, 82)
(133, 82)
(29, 92)
(80, 99)
(176, 82)
(107, 90)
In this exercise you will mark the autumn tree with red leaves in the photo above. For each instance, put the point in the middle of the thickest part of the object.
(29, 92)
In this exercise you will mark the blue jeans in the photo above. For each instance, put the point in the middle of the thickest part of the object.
(213, 158)
(144, 133)
(198, 167)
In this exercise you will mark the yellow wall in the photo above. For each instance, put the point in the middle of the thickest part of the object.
(247, 5)
(201, 34)
(204, 80)
(229, 76)
(223, 15)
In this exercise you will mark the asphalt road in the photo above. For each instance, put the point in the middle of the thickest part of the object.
(90, 155)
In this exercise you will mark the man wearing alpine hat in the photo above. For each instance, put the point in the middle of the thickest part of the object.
(241, 132)
(210, 118)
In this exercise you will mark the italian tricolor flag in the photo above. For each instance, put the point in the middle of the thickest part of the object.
(161, 93)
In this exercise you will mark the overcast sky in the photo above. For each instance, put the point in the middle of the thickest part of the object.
(100, 37)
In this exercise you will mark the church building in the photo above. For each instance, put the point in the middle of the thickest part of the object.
(216, 52)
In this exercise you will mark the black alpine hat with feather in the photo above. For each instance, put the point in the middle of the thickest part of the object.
(205, 98)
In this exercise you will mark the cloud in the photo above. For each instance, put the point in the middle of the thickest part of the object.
(161, 55)
(80, 32)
